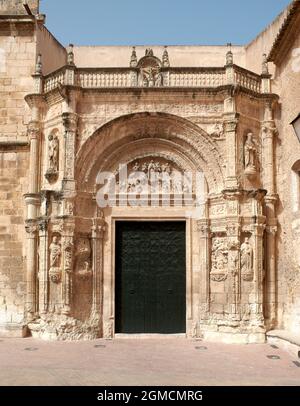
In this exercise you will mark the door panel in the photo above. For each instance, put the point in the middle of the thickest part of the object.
(150, 277)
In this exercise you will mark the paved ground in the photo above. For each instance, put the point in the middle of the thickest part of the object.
(143, 362)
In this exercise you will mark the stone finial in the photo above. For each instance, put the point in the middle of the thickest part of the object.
(229, 55)
(39, 65)
(149, 52)
(265, 68)
(70, 58)
(133, 59)
(165, 58)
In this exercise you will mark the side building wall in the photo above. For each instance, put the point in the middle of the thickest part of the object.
(20, 42)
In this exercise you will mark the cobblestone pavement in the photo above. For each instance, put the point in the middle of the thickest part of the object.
(144, 362)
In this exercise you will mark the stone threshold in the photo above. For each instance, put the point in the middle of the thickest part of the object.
(149, 336)
(286, 340)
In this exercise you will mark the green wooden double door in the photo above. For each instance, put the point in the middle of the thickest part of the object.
(150, 277)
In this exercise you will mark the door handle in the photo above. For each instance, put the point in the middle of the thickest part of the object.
(170, 291)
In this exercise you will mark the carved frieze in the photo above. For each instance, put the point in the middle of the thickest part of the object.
(219, 259)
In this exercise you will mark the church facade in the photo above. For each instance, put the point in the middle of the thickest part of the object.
(199, 236)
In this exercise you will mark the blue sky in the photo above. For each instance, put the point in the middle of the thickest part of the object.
(161, 22)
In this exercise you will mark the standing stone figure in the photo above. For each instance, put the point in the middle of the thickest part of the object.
(250, 152)
(247, 260)
(55, 260)
(53, 152)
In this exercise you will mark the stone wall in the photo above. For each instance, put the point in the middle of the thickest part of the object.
(13, 7)
(18, 51)
(13, 184)
(288, 153)
(286, 83)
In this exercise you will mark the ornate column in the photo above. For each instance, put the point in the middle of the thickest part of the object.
(230, 127)
(233, 229)
(67, 254)
(257, 315)
(32, 201)
(70, 124)
(98, 231)
(269, 132)
(31, 276)
(43, 267)
(204, 256)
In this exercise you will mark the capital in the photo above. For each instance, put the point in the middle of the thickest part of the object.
(33, 130)
(69, 121)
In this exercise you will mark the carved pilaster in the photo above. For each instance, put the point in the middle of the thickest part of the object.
(230, 127)
(204, 234)
(68, 260)
(269, 132)
(233, 230)
(98, 231)
(43, 266)
(33, 132)
(31, 273)
(257, 304)
(70, 124)
(271, 304)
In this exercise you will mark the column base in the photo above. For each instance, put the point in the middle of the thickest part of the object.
(12, 330)
(234, 338)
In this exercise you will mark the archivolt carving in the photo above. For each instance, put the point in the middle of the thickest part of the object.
(179, 134)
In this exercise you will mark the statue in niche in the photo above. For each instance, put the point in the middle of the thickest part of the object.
(55, 260)
(250, 154)
(53, 153)
(83, 259)
(247, 260)
(53, 157)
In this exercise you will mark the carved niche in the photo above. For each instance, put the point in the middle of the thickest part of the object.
(250, 155)
(219, 259)
(247, 261)
(52, 157)
(55, 253)
(150, 74)
(83, 259)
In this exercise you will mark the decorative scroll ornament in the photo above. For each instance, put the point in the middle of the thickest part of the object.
(55, 260)
(247, 261)
(219, 271)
